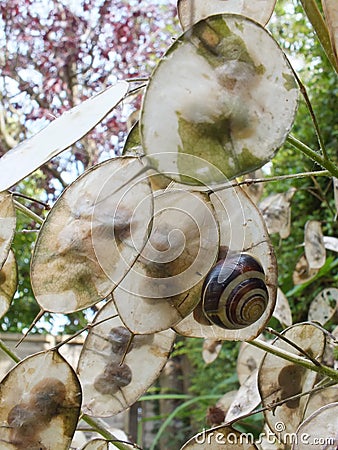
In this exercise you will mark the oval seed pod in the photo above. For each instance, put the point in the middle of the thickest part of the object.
(165, 283)
(324, 306)
(303, 272)
(40, 403)
(59, 135)
(114, 379)
(99, 226)
(248, 360)
(314, 244)
(320, 427)
(209, 111)
(282, 311)
(279, 379)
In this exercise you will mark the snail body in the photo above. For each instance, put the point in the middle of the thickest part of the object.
(234, 292)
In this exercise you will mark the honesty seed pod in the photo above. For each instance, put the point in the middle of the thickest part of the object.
(234, 292)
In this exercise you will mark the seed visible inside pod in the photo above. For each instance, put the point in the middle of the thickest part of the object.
(47, 397)
(119, 374)
(102, 385)
(119, 338)
(25, 426)
(115, 376)
(143, 339)
(22, 416)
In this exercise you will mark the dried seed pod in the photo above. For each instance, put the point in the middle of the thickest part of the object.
(99, 227)
(219, 119)
(39, 412)
(190, 12)
(110, 384)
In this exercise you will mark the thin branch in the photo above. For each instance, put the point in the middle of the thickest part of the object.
(86, 328)
(249, 181)
(134, 80)
(312, 114)
(280, 403)
(316, 173)
(9, 352)
(32, 325)
(100, 428)
(293, 344)
(326, 164)
(295, 359)
(34, 200)
(27, 212)
(135, 90)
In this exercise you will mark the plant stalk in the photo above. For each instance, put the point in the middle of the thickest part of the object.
(295, 359)
(314, 15)
(101, 429)
(9, 352)
(27, 212)
(327, 164)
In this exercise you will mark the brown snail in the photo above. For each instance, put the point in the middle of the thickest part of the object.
(234, 293)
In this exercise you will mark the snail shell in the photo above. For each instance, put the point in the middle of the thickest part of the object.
(234, 293)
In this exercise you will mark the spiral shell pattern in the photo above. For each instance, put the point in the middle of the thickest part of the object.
(234, 292)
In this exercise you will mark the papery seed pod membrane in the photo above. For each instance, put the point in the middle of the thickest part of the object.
(210, 112)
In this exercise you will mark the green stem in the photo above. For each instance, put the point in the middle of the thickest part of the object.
(312, 114)
(311, 9)
(327, 164)
(9, 352)
(100, 428)
(295, 359)
(27, 212)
